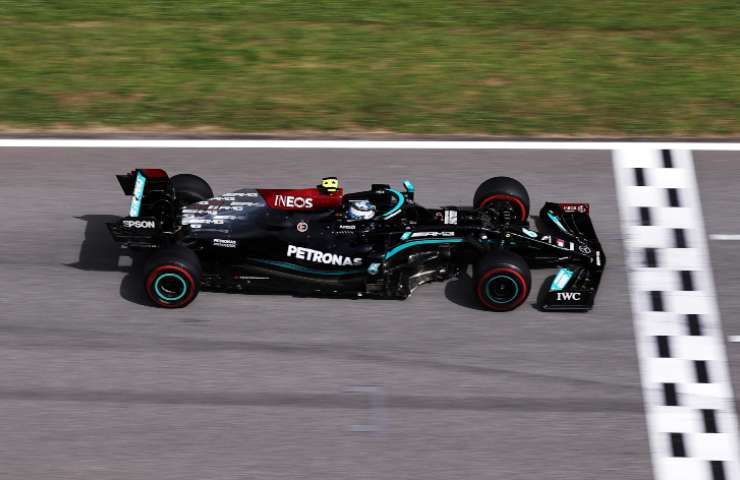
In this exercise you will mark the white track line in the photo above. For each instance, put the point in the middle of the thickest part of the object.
(360, 144)
(687, 390)
(724, 237)
(734, 338)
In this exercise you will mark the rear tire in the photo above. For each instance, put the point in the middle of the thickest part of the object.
(503, 189)
(190, 189)
(502, 280)
(173, 277)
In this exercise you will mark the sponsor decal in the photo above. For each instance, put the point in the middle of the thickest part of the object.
(139, 224)
(301, 227)
(289, 201)
(558, 242)
(451, 217)
(203, 221)
(566, 246)
(241, 194)
(432, 234)
(347, 227)
(317, 256)
(561, 296)
(584, 249)
(247, 204)
(575, 207)
(220, 242)
(300, 199)
(598, 258)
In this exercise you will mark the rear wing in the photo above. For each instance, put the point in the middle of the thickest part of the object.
(152, 210)
(143, 182)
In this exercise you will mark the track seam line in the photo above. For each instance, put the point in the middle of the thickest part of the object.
(688, 395)
(364, 144)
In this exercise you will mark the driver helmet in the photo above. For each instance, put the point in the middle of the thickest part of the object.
(361, 210)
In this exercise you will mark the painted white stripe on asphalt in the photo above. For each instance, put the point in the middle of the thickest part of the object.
(734, 338)
(724, 237)
(689, 380)
(635, 147)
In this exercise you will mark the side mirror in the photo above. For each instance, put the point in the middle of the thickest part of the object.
(409, 189)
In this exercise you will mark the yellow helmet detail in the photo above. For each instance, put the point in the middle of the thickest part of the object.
(330, 184)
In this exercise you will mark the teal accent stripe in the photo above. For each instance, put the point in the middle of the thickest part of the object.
(413, 243)
(165, 297)
(556, 221)
(561, 279)
(312, 271)
(138, 194)
(406, 235)
(398, 204)
(488, 289)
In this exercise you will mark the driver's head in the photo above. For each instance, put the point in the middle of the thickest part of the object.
(329, 184)
(360, 210)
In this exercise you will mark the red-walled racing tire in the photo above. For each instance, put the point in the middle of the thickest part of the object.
(502, 280)
(173, 277)
(506, 190)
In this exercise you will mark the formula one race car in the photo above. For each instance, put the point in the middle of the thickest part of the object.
(376, 243)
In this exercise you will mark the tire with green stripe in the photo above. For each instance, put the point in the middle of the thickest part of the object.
(173, 277)
(502, 280)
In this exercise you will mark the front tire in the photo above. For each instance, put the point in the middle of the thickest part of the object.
(502, 280)
(173, 277)
(190, 189)
(503, 190)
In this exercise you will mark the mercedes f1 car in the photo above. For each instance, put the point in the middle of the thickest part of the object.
(376, 243)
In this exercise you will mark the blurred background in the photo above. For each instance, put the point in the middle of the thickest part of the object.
(513, 67)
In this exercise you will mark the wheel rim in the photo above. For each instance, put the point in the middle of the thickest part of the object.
(170, 287)
(501, 289)
(515, 202)
(499, 296)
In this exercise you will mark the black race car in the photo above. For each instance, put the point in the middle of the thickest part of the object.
(376, 243)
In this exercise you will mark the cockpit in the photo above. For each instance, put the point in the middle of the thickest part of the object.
(381, 202)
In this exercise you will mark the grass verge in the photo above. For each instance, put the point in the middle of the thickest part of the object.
(512, 67)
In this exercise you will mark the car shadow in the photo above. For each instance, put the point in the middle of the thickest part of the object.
(100, 253)
(460, 291)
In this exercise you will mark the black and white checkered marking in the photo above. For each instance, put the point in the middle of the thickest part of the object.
(688, 395)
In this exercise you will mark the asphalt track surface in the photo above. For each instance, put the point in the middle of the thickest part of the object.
(96, 384)
(718, 177)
